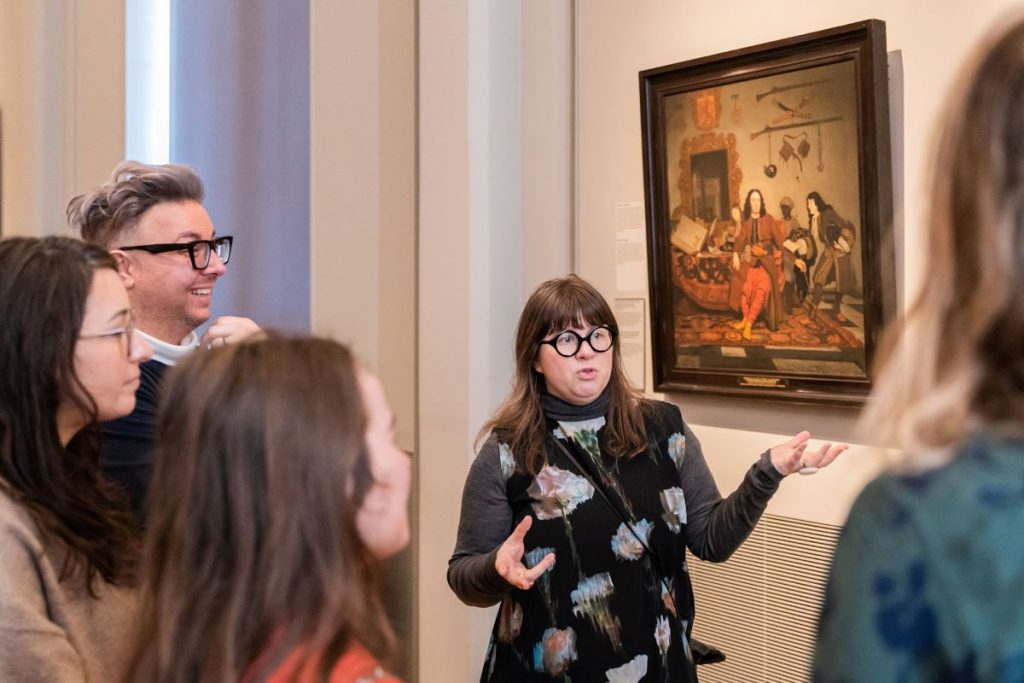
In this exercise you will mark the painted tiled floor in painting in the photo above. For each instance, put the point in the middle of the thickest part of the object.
(822, 345)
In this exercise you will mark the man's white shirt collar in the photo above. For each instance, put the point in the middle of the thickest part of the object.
(170, 354)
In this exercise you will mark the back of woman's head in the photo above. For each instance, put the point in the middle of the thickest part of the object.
(261, 467)
(959, 360)
(44, 286)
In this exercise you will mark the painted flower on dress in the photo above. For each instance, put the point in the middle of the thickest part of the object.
(510, 620)
(582, 431)
(555, 651)
(677, 449)
(558, 492)
(667, 593)
(625, 543)
(531, 559)
(631, 672)
(663, 635)
(674, 505)
(591, 599)
(508, 463)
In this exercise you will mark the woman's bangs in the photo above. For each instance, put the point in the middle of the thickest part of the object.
(577, 309)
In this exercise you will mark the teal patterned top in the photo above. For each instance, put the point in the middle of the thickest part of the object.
(928, 578)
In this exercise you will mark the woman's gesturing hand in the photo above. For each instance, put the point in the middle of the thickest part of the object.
(509, 560)
(793, 456)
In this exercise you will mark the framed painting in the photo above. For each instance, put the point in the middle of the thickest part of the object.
(768, 192)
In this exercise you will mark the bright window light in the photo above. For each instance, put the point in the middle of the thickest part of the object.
(147, 80)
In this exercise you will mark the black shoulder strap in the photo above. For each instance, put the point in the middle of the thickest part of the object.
(702, 652)
(655, 559)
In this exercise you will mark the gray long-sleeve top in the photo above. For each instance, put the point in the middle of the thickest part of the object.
(716, 526)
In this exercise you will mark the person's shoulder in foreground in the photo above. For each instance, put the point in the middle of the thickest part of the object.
(928, 574)
(355, 666)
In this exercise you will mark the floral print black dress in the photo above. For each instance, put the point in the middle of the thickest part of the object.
(617, 606)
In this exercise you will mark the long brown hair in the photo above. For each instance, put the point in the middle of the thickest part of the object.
(44, 285)
(956, 362)
(252, 549)
(554, 306)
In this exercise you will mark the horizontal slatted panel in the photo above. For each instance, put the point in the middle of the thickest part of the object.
(799, 554)
(730, 611)
(761, 607)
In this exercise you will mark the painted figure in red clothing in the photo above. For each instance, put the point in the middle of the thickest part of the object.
(757, 267)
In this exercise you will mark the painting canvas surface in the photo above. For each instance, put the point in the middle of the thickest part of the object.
(778, 289)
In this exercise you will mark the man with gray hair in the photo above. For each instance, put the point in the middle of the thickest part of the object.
(151, 219)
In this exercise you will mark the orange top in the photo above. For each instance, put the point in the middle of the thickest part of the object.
(355, 666)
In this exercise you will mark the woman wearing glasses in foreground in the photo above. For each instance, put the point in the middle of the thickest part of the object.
(277, 487)
(928, 575)
(580, 505)
(67, 538)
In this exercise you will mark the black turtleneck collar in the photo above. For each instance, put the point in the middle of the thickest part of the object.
(560, 411)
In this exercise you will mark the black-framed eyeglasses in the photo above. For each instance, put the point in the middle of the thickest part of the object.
(567, 343)
(199, 251)
(127, 333)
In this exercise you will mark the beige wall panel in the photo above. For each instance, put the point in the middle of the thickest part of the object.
(443, 393)
(61, 103)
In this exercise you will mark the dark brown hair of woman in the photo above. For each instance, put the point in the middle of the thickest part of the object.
(106, 215)
(556, 305)
(252, 549)
(44, 285)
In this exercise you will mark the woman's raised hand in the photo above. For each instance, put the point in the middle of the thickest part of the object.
(793, 456)
(509, 560)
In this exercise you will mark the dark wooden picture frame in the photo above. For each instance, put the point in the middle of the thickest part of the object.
(785, 300)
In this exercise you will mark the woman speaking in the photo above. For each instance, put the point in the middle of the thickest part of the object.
(580, 505)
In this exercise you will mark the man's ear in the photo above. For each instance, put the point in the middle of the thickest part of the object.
(125, 268)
